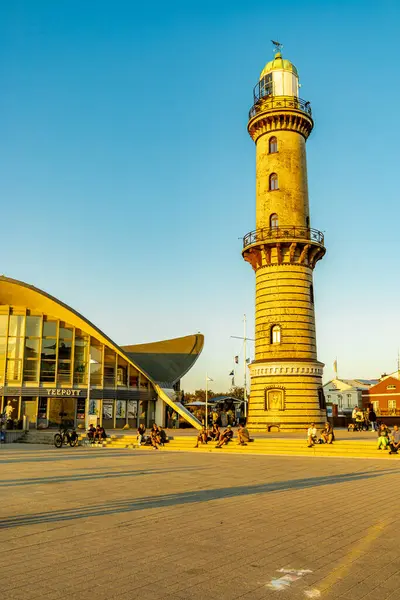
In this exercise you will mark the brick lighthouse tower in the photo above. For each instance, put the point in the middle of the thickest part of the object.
(286, 377)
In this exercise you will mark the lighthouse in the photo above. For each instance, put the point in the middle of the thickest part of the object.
(286, 377)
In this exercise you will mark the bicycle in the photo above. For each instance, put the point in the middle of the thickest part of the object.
(66, 437)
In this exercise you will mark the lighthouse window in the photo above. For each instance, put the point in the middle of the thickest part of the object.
(273, 181)
(273, 220)
(273, 145)
(275, 334)
(312, 294)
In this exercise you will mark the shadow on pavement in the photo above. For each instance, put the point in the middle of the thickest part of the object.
(91, 476)
(149, 502)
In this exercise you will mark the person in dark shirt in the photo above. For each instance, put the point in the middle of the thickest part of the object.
(226, 436)
(163, 437)
(372, 419)
(215, 432)
(97, 434)
(90, 433)
(395, 440)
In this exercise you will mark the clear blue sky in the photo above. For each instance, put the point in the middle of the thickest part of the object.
(127, 174)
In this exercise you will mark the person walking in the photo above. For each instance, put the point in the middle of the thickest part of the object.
(354, 415)
(372, 419)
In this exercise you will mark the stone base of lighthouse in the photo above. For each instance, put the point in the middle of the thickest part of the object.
(286, 396)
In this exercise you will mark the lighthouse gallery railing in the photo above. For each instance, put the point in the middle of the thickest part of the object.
(292, 232)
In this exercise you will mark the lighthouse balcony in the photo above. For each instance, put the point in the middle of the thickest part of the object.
(264, 102)
(283, 234)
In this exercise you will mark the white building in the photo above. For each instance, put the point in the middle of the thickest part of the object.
(346, 393)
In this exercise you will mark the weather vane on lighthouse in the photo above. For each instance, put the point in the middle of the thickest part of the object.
(277, 46)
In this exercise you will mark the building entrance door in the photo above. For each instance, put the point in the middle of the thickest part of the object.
(29, 410)
(62, 410)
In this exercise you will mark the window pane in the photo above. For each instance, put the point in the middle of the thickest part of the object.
(15, 347)
(33, 326)
(81, 359)
(109, 367)
(95, 373)
(121, 375)
(65, 332)
(14, 370)
(64, 350)
(31, 370)
(64, 372)
(96, 350)
(16, 327)
(49, 349)
(3, 342)
(48, 371)
(49, 328)
(32, 348)
(3, 324)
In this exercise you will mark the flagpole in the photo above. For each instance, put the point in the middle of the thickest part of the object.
(244, 366)
(206, 401)
(88, 393)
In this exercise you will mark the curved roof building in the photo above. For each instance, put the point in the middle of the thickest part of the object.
(53, 360)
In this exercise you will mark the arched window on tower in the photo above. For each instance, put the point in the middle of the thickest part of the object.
(312, 294)
(273, 181)
(273, 145)
(275, 334)
(273, 220)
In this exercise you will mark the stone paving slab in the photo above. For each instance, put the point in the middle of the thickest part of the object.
(124, 525)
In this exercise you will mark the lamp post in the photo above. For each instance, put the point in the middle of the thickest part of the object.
(91, 362)
(207, 380)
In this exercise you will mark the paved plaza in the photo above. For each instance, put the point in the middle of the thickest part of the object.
(103, 523)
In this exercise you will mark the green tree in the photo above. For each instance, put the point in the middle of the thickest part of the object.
(236, 392)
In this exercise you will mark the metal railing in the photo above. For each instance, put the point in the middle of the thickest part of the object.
(268, 102)
(292, 232)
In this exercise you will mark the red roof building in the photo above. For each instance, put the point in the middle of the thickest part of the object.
(384, 397)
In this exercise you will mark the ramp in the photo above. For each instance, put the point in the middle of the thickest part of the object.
(169, 397)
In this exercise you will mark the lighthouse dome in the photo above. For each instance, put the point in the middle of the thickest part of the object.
(279, 77)
(279, 64)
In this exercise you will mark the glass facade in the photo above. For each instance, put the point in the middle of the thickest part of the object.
(60, 365)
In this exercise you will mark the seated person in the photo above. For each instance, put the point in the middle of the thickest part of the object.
(140, 434)
(97, 435)
(90, 433)
(225, 437)
(395, 440)
(103, 434)
(327, 435)
(202, 437)
(155, 436)
(383, 436)
(215, 432)
(163, 437)
(243, 435)
(311, 435)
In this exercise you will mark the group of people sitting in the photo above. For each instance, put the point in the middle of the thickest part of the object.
(96, 434)
(222, 437)
(389, 439)
(157, 436)
(326, 436)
